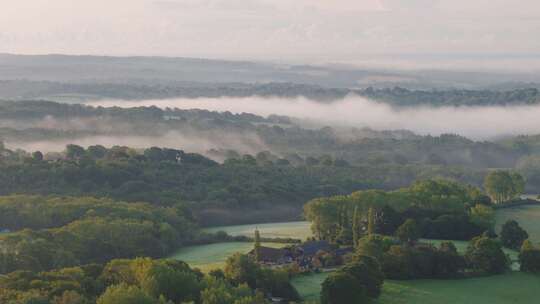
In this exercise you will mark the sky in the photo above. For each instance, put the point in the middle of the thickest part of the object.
(311, 31)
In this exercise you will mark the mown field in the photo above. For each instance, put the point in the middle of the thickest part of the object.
(527, 216)
(295, 230)
(212, 256)
(513, 288)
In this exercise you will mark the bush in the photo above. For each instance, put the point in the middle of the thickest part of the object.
(341, 287)
(512, 235)
(529, 258)
(368, 272)
(485, 255)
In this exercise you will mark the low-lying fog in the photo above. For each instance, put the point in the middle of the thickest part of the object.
(473, 122)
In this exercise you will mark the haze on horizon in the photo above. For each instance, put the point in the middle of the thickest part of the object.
(481, 34)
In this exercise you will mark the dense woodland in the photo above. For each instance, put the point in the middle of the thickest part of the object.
(147, 281)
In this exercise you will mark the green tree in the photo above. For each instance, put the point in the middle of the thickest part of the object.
(74, 151)
(356, 224)
(341, 287)
(124, 294)
(512, 235)
(486, 255)
(239, 268)
(529, 258)
(371, 221)
(408, 232)
(368, 272)
(483, 216)
(503, 186)
(257, 246)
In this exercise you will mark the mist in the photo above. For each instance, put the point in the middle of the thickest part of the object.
(197, 143)
(478, 122)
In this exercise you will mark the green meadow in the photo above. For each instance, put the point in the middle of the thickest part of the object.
(212, 256)
(295, 230)
(512, 288)
(528, 217)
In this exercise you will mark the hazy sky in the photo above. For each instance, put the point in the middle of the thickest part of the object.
(288, 30)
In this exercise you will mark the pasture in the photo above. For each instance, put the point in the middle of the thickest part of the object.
(528, 217)
(296, 230)
(512, 288)
(212, 256)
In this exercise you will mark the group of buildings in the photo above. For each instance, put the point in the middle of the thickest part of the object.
(308, 256)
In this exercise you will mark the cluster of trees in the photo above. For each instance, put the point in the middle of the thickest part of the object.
(503, 186)
(146, 281)
(379, 257)
(168, 176)
(407, 258)
(443, 210)
(357, 282)
(404, 97)
(53, 232)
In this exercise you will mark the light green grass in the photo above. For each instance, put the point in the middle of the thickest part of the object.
(515, 287)
(295, 230)
(528, 217)
(212, 256)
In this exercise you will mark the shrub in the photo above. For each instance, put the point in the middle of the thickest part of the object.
(512, 235)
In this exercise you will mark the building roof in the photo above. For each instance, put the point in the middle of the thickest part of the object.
(268, 254)
(312, 247)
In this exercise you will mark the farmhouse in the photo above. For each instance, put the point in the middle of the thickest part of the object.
(273, 256)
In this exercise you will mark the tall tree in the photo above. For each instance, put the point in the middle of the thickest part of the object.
(371, 221)
(503, 186)
(257, 246)
(512, 235)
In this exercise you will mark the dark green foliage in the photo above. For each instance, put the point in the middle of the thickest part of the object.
(341, 287)
(440, 208)
(450, 227)
(124, 294)
(67, 231)
(374, 246)
(367, 271)
(241, 269)
(408, 232)
(403, 262)
(512, 235)
(485, 255)
(141, 280)
(529, 258)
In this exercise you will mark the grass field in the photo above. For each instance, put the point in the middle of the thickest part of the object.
(527, 216)
(512, 288)
(296, 230)
(212, 256)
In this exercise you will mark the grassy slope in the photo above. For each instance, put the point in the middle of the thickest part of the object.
(296, 230)
(212, 256)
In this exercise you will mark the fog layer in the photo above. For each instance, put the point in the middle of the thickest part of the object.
(472, 122)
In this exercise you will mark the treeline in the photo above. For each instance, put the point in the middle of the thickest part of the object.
(443, 209)
(42, 233)
(396, 96)
(403, 97)
(147, 281)
(167, 176)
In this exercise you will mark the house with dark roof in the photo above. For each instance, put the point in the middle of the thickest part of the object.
(273, 256)
(310, 249)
